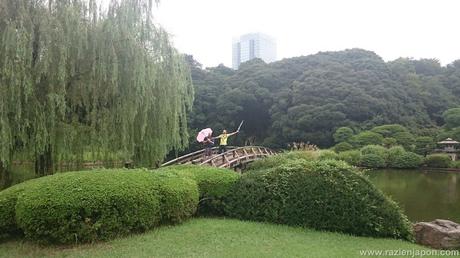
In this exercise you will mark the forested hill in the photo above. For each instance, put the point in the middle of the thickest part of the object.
(307, 98)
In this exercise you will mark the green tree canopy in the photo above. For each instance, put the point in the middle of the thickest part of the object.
(75, 79)
(423, 145)
(452, 117)
(366, 138)
(405, 139)
(343, 134)
(389, 130)
(307, 98)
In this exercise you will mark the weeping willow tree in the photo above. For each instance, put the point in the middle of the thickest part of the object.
(77, 78)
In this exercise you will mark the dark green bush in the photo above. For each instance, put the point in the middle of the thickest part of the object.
(372, 161)
(343, 134)
(455, 164)
(179, 198)
(281, 158)
(327, 154)
(375, 149)
(393, 154)
(324, 195)
(213, 183)
(366, 138)
(8, 200)
(405, 139)
(407, 160)
(98, 205)
(343, 146)
(389, 130)
(389, 142)
(352, 157)
(438, 161)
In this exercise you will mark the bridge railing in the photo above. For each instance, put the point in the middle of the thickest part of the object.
(238, 156)
(192, 156)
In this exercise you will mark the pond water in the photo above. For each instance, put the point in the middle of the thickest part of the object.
(424, 195)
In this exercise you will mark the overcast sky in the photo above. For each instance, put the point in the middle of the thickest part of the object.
(391, 28)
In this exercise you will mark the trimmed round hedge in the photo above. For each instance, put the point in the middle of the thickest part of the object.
(352, 157)
(8, 200)
(438, 161)
(407, 160)
(372, 161)
(273, 161)
(376, 150)
(97, 205)
(213, 184)
(327, 154)
(343, 146)
(325, 195)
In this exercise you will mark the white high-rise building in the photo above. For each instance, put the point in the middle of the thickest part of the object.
(253, 45)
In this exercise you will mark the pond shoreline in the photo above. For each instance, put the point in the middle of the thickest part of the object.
(440, 169)
(422, 169)
(424, 194)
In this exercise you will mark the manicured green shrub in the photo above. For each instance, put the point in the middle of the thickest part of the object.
(342, 134)
(455, 164)
(438, 161)
(8, 200)
(213, 183)
(281, 158)
(389, 130)
(407, 160)
(88, 206)
(352, 157)
(366, 138)
(372, 161)
(389, 142)
(392, 154)
(375, 149)
(327, 154)
(405, 139)
(324, 195)
(179, 198)
(424, 145)
(343, 146)
(305, 155)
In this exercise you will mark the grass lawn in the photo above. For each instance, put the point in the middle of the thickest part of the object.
(216, 238)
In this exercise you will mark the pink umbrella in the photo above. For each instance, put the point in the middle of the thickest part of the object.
(203, 133)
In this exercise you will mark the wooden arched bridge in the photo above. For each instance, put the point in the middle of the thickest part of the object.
(234, 157)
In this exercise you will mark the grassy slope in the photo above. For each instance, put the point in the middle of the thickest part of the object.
(217, 238)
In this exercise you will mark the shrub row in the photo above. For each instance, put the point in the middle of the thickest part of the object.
(213, 184)
(274, 161)
(95, 205)
(325, 195)
(455, 164)
(438, 161)
(8, 200)
(376, 156)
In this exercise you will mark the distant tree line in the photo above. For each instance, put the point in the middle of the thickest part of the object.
(306, 99)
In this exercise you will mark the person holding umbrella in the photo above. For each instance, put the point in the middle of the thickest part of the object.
(208, 143)
(205, 137)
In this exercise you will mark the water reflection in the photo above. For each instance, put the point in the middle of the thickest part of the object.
(424, 195)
